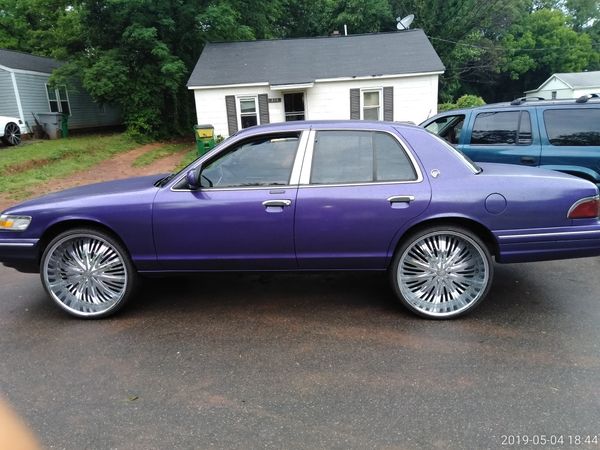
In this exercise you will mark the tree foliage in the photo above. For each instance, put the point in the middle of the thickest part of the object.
(138, 54)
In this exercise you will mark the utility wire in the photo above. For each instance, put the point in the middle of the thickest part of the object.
(464, 44)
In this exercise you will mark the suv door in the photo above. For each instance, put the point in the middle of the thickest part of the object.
(504, 136)
(571, 140)
(448, 127)
(357, 189)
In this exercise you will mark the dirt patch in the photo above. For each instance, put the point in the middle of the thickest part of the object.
(112, 169)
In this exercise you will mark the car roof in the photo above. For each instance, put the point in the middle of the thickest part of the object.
(528, 102)
(322, 124)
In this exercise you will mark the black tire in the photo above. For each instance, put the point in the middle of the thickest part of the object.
(12, 134)
(88, 273)
(427, 279)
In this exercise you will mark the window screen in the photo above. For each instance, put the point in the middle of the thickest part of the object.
(574, 127)
(359, 157)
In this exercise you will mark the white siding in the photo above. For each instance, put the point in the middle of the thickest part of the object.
(8, 102)
(415, 99)
(562, 90)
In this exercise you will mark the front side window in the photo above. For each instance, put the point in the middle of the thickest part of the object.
(359, 157)
(263, 161)
(448, 127)
(573, 127)
(248, 112)
(371, 104)
(494, 128)
(58, 99)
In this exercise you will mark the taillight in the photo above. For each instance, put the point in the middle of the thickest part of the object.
(586, 208)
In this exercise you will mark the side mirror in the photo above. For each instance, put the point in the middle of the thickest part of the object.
(193, 178)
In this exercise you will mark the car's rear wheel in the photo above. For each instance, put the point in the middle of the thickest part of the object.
(87, 273)
(442, 272)
(12, 134)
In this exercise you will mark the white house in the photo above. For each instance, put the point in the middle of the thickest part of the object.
(568, 85)
(383, 76)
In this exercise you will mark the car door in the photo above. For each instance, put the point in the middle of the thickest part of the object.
(357, 189)
(507, 136)
(571, 141)
(242, 218)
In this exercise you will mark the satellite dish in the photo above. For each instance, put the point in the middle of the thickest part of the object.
(404, 23)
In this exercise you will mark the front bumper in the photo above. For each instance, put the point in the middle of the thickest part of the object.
(20, 254)
(548, 243)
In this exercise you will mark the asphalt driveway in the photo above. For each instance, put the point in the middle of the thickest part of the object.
(307, 361)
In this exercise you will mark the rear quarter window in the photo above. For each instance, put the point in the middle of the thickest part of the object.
(578, 127)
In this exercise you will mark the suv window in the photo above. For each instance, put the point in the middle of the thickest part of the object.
(264, 161)
(359, 157)
(506, 127)
(448, 127)
(576, 127)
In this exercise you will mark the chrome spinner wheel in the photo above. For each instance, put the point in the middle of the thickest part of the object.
(442, 273)
(12, 134)
(86, 273)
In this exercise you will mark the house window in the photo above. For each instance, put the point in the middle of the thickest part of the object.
(248, 112)
(553, 95)
(294, 106)
(371, 104)
(58, 99)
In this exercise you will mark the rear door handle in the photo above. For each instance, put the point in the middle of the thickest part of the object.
(401, 199)
(276, 203)
(528, 160)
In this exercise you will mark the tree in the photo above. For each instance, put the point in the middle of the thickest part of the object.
(540, 44)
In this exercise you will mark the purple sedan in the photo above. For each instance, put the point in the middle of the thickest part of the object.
(307, 196)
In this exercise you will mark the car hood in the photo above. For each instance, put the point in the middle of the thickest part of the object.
(90, 194)
(8, 119)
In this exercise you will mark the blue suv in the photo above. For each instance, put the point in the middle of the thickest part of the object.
(562, 135)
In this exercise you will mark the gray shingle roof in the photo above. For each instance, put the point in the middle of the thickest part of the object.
(25, 61)
(291, 61)
(581, 79)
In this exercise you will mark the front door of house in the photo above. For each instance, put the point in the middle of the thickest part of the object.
(294, 106)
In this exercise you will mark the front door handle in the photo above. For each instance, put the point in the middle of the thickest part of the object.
(401, 199)
(276, 203)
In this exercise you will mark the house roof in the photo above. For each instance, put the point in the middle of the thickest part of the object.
(25, 61)
(575, 80)
(296, 61)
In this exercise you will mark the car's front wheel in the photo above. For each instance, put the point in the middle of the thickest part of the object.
(442, 272)
(87, 273)
(12, 134)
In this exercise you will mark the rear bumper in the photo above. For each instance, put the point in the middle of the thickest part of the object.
(548, 243)
(20, 254)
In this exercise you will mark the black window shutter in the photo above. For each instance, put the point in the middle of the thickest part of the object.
(263, 108)
(355, 104)
(388, 103)
(231, 114)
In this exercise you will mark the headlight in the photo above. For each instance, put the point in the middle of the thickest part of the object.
(14, 223)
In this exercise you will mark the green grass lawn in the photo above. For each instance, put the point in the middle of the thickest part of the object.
(22, 167)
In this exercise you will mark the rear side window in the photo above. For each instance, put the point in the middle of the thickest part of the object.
(574, 127)
(505, 127)
(359, 157)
